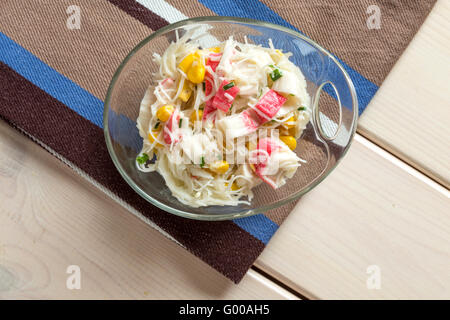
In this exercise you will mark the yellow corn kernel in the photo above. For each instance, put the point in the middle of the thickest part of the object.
(279, 52)
(219, 167)
(234, 186)
(186, 63)
(152, 136)
(214, 49)
(165, 112)
(196, 116)
(289, 141)
(289, 123)
(196, 73)
(185, 95)
(185, 92)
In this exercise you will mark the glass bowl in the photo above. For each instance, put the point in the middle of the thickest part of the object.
(323, 143)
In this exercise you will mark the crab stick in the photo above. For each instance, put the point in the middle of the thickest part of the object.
(268, 105)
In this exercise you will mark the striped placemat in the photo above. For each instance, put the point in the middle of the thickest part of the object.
(57, 58)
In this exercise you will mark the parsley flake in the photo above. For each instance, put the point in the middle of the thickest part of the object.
(142, 159)
(228, 86)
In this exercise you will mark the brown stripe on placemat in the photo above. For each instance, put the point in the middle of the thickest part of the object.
(88, 56)
(341, 28)
(223, 245)
(139, 12)
(279, 214)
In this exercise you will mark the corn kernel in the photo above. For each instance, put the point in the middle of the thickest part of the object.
(234, 186)
(185, 92)
(279, 52)
(165, 112)
(186, 63)
(289, 123)
(219, 167)
(214, 49)
(152, 136)
(185, 95)
(289, 141)
(196, 73)
(196, 116)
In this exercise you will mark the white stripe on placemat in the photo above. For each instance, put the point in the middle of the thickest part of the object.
(172, 14)
(164, 10)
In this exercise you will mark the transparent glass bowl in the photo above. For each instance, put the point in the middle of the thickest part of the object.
(323, 143)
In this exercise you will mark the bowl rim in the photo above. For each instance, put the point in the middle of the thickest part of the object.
(249, 212)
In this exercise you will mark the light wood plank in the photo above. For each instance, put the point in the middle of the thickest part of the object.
(372, 210)
(410, 114)
(51, 218)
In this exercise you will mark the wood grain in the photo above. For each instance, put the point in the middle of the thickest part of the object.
(410, 114)
(372, 210)
(51, 218)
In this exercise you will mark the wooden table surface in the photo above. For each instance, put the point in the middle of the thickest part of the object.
(384, 212)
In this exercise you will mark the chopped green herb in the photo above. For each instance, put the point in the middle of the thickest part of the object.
(260, 92)
(201, 108)
(228, 86)
(180, 122)
(301, 108)
(142, 159)
(272, 121)
(156, 125)
(292, 95)
(202, 164)
(276, 74)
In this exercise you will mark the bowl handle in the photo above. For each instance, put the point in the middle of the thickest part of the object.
(316, 112)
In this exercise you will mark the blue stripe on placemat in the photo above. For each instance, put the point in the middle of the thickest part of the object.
(63, 89)
(254, 9)
(49, 80)
(258, 226)
(90, 107)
